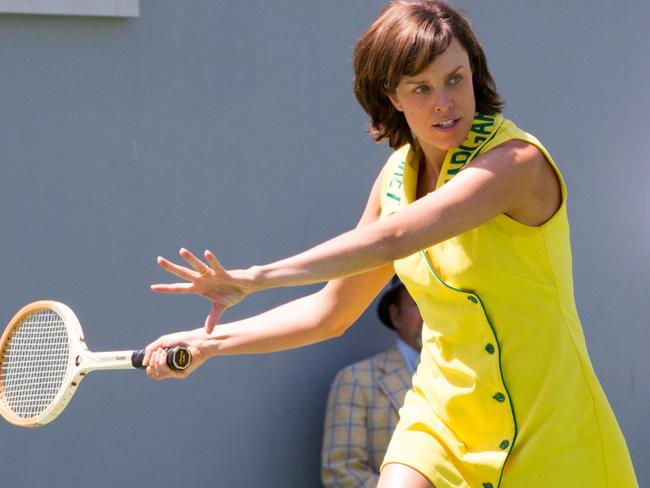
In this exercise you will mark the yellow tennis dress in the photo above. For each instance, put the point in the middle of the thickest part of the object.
(505, 394)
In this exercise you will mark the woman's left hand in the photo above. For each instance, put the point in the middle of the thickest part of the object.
(223, 288)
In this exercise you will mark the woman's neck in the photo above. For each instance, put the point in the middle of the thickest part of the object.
(433, 156)
(431, 161)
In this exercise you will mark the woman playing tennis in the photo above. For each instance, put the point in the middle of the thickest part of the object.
(470, 211)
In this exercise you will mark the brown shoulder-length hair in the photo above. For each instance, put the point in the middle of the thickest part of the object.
(404, 39)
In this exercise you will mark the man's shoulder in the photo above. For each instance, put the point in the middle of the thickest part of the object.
(382, 362)
(377, 360)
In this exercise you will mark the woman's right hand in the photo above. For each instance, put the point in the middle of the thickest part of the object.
(221, 287)
(155, 354)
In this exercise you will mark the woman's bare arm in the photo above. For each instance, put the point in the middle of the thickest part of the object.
(504, 180)
(508, 179)
(316, 317)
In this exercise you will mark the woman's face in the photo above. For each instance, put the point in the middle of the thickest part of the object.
(438, 102)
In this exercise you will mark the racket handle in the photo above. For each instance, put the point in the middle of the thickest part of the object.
(178, 358)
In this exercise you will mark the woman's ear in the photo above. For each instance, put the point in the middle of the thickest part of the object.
(395, 101)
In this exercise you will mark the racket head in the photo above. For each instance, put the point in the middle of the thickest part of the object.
(38, 374)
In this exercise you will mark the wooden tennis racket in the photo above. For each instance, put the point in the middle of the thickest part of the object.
(43, 357)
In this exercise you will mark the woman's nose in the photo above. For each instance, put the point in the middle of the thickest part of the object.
(442, 102)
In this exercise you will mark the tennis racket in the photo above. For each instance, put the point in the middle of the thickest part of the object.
(43, 357)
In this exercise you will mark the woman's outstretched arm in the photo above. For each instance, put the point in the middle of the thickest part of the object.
(313, 318)
(509, 179)
(316, 317)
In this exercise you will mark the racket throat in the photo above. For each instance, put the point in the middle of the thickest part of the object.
(97, 361)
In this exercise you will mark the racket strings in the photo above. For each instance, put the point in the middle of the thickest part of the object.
(34, 363)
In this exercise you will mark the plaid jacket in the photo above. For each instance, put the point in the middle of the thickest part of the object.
(362, 411)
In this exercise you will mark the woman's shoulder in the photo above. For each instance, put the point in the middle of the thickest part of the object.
(509, 139)
(509, 131)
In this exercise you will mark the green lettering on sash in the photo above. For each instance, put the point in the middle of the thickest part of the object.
(478, 140)
(400, 169)
(482, 128)
(460, 157)
(396, 181)
(466, 148)
(480, 116)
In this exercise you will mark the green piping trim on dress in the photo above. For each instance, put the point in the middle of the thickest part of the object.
(472, 293)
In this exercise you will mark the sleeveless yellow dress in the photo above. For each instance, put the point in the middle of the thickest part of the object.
(505, 393)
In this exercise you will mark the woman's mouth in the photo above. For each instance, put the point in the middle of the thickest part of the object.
(447, 124)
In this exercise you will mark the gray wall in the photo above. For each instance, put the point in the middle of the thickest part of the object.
(232, 125)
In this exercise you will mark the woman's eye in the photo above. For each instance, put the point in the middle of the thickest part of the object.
(421, 89)
(454, 80)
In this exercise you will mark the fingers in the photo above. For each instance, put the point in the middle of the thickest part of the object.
(193, 261)
(184, 273)
(151, 350)
(212, 260)
(172, 288)
(213, 317)
(153, 362)
(180, 271)
(157, 368)
(197, 265)
(208, 280)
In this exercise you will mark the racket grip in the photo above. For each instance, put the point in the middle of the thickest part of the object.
(178, 358)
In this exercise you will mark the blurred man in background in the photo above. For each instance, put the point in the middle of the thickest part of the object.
(364, 399)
